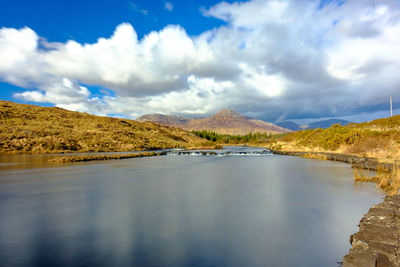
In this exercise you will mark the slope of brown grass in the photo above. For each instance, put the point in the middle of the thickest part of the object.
(378, 139)
(34, 129)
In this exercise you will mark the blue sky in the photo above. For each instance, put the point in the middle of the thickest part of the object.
(86, 21)
(270, 59)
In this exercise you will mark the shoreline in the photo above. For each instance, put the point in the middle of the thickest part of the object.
(377, 243)
(355, 161)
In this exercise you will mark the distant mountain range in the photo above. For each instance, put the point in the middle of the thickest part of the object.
(225, 122)
(314, 125)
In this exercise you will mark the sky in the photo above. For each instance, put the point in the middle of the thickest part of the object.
(274, 60)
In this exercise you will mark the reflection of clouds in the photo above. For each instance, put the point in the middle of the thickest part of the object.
(182, 211)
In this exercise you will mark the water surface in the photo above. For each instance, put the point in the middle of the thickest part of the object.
(264, 210)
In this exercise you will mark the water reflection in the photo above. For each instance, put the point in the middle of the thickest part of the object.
(181, 211)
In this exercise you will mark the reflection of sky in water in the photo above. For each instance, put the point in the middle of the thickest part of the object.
(180, 211)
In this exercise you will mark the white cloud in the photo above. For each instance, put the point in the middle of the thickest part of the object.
(273, 58)
(168, 6)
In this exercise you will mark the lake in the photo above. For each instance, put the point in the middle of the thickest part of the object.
(179, 210)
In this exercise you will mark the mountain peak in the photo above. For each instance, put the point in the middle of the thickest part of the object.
(227, 113)
(226, 121)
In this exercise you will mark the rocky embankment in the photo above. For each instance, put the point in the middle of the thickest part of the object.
(378, 241)
(355, 161)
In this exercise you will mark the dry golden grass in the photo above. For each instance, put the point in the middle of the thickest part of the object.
(355, 139)
(34, 129)
(388, 181)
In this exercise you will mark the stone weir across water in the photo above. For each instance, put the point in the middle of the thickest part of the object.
(215, 153)
(80, 158)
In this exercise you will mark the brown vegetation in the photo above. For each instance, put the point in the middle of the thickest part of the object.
(378, 139)
(388, 181)
(34, 129)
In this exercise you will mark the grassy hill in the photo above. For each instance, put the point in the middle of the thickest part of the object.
(379, 138)
(34, 129)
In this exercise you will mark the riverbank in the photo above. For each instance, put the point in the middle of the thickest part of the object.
(378, 241)
(355, 161)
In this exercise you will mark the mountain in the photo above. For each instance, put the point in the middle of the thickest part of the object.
(313, 125)
(34, 129)
(225, 122)
(164, 119)
(324, 124)
(289, 125)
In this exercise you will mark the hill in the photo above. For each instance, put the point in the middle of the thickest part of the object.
(224, 122)
(34, 129)
(379, 139)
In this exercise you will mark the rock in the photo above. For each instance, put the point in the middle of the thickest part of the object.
(378, 241)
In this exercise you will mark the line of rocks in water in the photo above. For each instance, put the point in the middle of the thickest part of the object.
(378, 241)
(81, 158)
(355, 161)
(213, 153)
(107, 157)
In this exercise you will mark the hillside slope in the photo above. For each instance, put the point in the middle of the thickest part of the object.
(379, 139)
(224, 122)
(34, 129)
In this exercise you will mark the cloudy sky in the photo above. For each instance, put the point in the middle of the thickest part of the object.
(270, 59)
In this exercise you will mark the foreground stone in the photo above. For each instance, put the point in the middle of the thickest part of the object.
(378, 241)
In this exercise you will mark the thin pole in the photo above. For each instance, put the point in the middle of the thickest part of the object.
(391, 112)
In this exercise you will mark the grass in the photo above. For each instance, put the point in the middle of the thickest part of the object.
(34, 129)
(388, 181)
(378, 139)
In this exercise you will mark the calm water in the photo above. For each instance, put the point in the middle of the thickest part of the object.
(180, 211)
